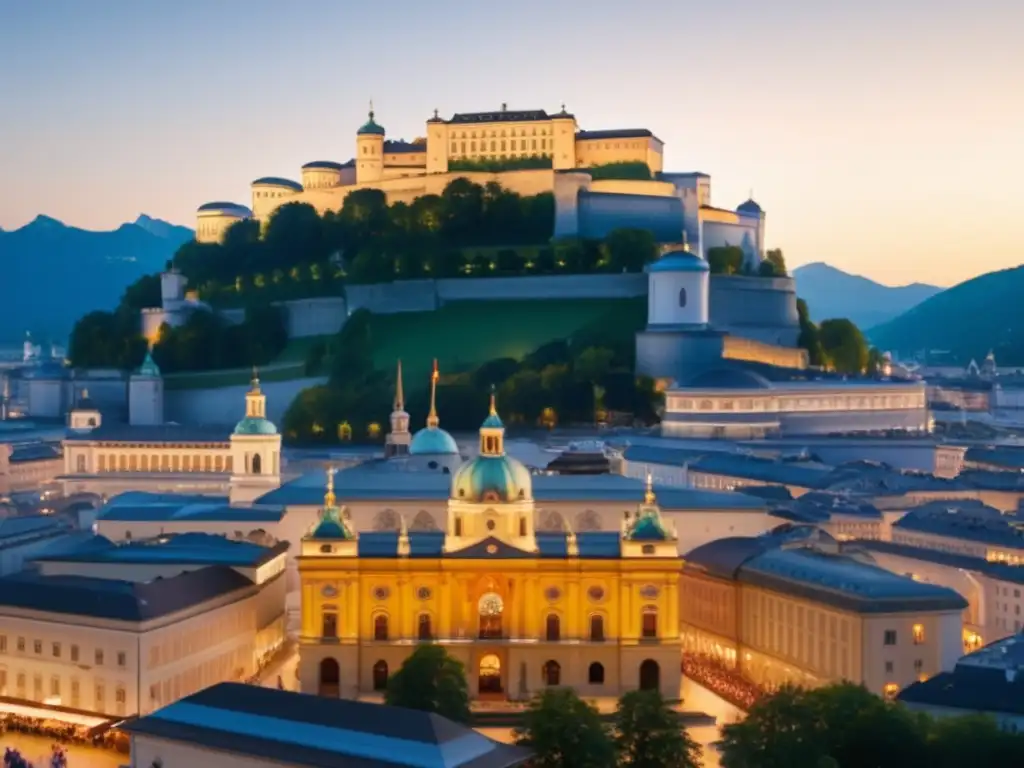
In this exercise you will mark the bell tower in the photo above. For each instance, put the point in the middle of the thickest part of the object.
(398, 439)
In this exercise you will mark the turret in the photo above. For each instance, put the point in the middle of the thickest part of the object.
(146, 394)
(563, 128)
(369, 151)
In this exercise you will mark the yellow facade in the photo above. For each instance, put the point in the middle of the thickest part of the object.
(597, 611)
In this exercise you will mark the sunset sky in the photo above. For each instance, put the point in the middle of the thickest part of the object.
(884, 137)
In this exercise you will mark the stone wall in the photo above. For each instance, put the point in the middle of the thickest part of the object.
(758, 308)
(305, 317)
(390, 298)
(226, 405)
(542, 287)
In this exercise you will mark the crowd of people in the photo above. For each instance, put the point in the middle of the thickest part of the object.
(63, 733)
(716, 677)
(14, 759)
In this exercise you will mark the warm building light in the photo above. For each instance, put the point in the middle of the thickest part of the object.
(890, 690)
(918, 632)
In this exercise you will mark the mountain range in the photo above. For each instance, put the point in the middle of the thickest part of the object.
(964, 322)
(830, 292)
(53, 274)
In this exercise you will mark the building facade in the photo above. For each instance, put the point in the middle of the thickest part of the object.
(522, 609)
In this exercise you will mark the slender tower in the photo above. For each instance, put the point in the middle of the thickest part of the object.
(398, 439)
(432, 419)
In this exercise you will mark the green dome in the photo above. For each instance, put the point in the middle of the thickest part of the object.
(433, 440)
(149, 367)
(647, 528)
(252, 425)
(370, 128)
(493, 421)
(492, 478)
(331, 526)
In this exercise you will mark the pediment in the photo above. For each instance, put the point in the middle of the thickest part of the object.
(491, 548)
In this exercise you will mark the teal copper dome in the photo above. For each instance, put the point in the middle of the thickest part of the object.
(432, 440)
(149, 367)
(679, 261)
(252, 425)
(492, 478)
(371, 127)
(647, 528)
(331, 526)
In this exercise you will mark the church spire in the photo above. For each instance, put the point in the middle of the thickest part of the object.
(330, 501)
(255, 400)
(649, 498)
(399, 404)
(494, 405)
(432, 419)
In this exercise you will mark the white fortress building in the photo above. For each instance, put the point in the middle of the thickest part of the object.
(462, 147)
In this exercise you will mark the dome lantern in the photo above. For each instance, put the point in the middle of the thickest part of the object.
(371, 127)
(492, 432)
(492, 477)
(255, 421)
(432, 439)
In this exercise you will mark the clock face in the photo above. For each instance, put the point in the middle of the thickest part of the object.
(423, 593)
(381, 593)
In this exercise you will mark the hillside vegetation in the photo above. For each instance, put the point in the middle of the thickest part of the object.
(966, 320)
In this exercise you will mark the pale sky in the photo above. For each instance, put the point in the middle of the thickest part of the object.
(884, 137)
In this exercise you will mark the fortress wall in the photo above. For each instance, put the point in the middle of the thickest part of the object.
(542, 287)
(601, 213)
(633, 187)
(315, 317)
(758, 308)
(390, 298)
(226, 405)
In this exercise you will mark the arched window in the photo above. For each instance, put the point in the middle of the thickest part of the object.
(595, 674)
(330, 624)
(423, 633)
(458, 526)
(649, 622)
(380, 675)
(491, 609)
(380, 627)
(650, 675)
(522, 526)
(682, 298)
(552, 673)
(553, 630)
(257, 464)
(81, 463)
(597, 628)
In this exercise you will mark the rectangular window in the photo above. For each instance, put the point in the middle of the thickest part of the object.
(918, 632)
(55, 686)
(330, 624)
(890, 637)
(21, 644)
(122, 658)
(37, 646)
(888, 667)
(56, 650)
(74, 653)
(99, 657)
(3, 643)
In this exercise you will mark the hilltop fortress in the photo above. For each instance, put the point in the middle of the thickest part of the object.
(669, 204)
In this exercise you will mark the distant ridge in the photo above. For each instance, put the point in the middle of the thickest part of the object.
(54, 273)
(981, 314)
(830, 292)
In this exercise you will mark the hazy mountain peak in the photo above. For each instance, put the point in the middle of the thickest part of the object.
(43, 221)
(158, 227)
(831, 292)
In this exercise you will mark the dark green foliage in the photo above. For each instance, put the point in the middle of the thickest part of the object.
(629, 250)
(113, 339)
(845, 725)
(631, 170)
(430, 681)
(648, 734)
(725, 260)
(809, 337)
(563, 731)
(777, 260)
(844, 346)
(502, 164)
(207, 342)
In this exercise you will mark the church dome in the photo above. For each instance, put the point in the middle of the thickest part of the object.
(749, 206)
(679, 261)
(252, 425)
(433, 440)
(648, 528)
(492, 478)
(370, 127)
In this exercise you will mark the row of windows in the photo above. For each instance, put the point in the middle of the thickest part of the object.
(132, 462)
(491, 626)
(499, 134)
(788, 404)
(57, 651)
(585, 145)
(495, 146)
(38, 693)
(275, 193)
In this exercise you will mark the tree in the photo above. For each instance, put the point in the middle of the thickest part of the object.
(774, 257)
(628, 250)
(844, 346)
(563, 731)
(725, 259)
(809, 337)
(648, 734)
(780, 731)
(431, 681)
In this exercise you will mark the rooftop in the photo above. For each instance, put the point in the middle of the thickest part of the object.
(141, 506)
(13, 528)
(35, 452)
(159, 433)
(300, 729)
(802, 474)
(968, 519)
(615, 133)
(999, 571)
(501, 116)
(805, 562)
(277, 181)
(1008, 457)
(358, 484)
(115, 599)
(182, 548)
(989, 680)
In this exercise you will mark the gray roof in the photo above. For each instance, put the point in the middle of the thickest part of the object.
(184, 508)
(36, 452)
(592, 545)
(323, 165)
(728, 378)
(227, 207)
(301, 729)
(666, 455)
(182, 548)
(989, 680)
(1000, 571)
(119, 600)
(159, 433)
(398, 147)
(502, 116)
(25, 525)
(968, 519)
(765, 470)
(359, 484)
(1009, 457)
(615, 133)
(277, 181)
(788, 561)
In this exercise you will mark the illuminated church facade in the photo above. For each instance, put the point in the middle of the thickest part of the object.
(522, 609)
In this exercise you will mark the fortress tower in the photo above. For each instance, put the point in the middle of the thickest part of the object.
(146, 394)
(369, 151)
